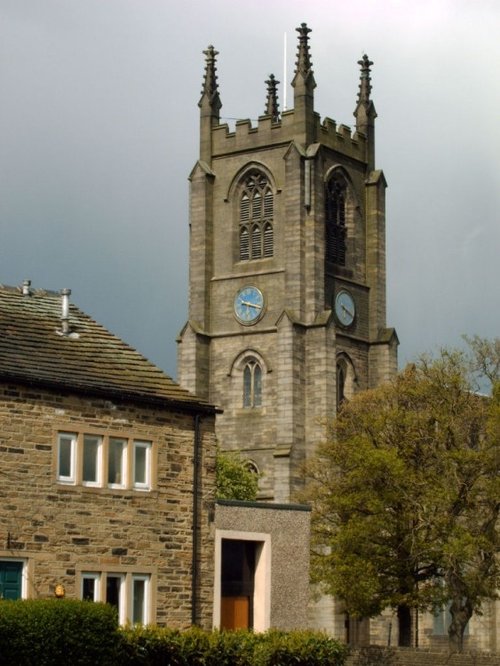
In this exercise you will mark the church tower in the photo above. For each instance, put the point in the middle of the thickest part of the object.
(287, 300)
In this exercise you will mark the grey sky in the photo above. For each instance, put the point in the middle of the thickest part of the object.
(99, 131)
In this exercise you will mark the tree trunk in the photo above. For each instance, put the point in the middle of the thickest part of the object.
(404, 626)
(461, 613)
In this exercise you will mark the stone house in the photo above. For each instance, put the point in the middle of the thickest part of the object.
(105, 466)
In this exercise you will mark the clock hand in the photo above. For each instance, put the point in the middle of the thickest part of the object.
(251, 305)
(351, 314)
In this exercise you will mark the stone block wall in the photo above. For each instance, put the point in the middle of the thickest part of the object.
(60, 531)
(411, 657)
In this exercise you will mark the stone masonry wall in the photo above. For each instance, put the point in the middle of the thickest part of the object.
(61, 530)
(411, 657)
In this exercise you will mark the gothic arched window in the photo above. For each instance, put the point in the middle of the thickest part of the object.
(335, 220)
(256, 218)
(346, 379)
(252, 384)
(341, 372)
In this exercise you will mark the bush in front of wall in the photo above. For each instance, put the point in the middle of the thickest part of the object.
(51, 632)
(154, 646)
(307, 648)
(159, 646)
(55, 632)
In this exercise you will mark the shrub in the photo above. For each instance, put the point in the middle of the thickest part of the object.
(307, 648)
(51, 632)
(152, 646)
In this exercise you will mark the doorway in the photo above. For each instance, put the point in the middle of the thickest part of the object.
(11, 577)
(237, 584)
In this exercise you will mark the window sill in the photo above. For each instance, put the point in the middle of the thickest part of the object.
(107, 490)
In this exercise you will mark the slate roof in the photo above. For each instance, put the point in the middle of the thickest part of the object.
(88, 360)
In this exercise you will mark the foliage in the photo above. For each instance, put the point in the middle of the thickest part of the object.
(50, 632)
(307, 648)
(405, 493)
(153, 646)
(234, 479)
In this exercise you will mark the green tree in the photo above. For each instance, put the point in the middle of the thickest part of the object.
(234, 478)
(406, 494)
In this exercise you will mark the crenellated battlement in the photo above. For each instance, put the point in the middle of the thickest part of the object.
(301, 125)
(268, 132)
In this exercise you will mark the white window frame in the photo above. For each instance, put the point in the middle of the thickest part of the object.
(130, 449)
(146, 579)
(96, 577)
(71, 479)
(125, 592)
(122, 601)
(146, 484)
(99, 453)
(124, 462)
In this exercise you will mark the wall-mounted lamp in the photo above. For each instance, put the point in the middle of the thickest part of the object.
(59, 591)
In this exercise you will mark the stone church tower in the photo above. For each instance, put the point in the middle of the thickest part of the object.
(287, 308)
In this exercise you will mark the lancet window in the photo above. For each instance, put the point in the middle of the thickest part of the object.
(252, 384)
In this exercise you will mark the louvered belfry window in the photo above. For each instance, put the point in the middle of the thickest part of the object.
(256, 218)
(335, 203)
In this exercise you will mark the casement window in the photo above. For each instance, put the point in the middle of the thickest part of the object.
(66, 448)
(252, 384)
(104, 461)
(140, 599)
(335, 220)
(91, 587)
(91, 463)
(129, 593)
(256, 235)
(142, 465)
(117, 462)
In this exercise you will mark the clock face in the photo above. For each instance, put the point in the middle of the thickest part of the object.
(345, 308)
(249, 305)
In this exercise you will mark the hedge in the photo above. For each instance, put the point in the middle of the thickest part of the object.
(154, 646)
(51, 632)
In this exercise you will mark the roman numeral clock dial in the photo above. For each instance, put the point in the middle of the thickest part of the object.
(248, 305)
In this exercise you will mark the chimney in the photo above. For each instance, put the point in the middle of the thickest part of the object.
(26, 288)
(65, 294)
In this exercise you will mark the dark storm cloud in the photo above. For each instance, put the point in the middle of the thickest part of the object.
(99, 131)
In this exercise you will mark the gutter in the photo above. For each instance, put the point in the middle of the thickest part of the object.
(183, 405)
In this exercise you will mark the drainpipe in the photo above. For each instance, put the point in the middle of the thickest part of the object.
(195, 577)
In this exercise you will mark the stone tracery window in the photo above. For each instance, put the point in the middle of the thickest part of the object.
(256, 233)
(252, 384)
(335, 220)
